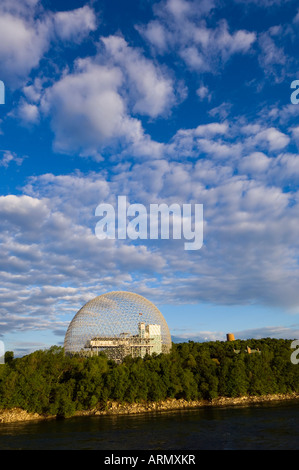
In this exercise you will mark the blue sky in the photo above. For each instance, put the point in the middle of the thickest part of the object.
(172, 101)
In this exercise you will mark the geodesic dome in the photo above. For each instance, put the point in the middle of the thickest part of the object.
(119, 324)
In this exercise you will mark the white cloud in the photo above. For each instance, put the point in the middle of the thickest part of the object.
(257, 333)
(91, 108)
(27, 113)
(156, 34)
(86, 109)
(222, 111)
(210, 139)
(23, 8)
(250, 234)
(296, 18)
(22, 44)
(283, 332)
(8, 157)
(46, 247)
(295, 132)
(204, 93)
(272, 58)
(23, 211)
(212, 129)
(263, 3)
(275, 139)
(178, 8)
(181, 26)
(151, 90)
(74, 25)
(195, 59)
(25, 37)
(257, 162)
(229, 44)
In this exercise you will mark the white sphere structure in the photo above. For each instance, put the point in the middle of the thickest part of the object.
(118, 324)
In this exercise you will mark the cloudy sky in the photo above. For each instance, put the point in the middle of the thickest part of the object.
(173, 101)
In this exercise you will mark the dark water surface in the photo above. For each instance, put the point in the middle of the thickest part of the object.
(267, 426)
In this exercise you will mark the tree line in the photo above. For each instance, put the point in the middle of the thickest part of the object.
(52, 383)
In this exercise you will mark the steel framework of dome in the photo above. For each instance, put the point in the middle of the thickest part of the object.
(119, 324)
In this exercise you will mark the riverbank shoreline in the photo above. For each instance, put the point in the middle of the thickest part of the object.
(15, 415)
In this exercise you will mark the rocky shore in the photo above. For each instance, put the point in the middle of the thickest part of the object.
(181, 404)
(17, 414)
(115, 408)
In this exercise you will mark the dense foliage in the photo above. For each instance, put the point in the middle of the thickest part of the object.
(48, 382)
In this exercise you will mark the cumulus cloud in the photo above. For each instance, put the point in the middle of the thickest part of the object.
(151, 90)
(212, 44)
(250, 234)
(22, 44)
(24, 39)
(27, 113)
(181, 26)
(272, 138)
(23, 211)
(204, 93)
(87, 110)
(46, 246)
(272, 58)
(96, 106)
(224, 140)
(256, 162)
(75, 24)
(9, 157)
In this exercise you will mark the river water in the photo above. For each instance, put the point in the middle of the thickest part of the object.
(266, 426)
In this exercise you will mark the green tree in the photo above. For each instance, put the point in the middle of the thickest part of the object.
(8, 357)
(236, 383)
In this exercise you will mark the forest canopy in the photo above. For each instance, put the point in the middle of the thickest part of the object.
(49, 382)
